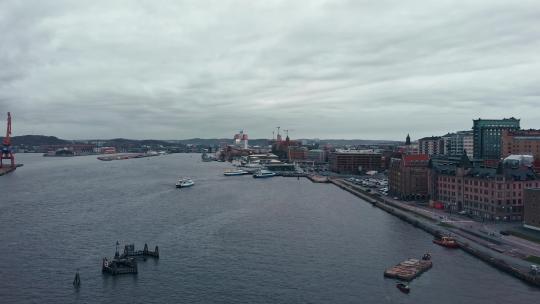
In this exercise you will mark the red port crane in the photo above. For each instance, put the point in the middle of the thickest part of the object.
(6, 145)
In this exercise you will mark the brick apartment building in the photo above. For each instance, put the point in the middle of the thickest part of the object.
(407, 176)
(433, 145)
(522, 142)
(352, 161)
(531, 208)
(488, 193)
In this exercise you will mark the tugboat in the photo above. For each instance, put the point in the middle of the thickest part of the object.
(235, 172)
(184, 182)
(264, 174)
(403, 287)
(446, 241)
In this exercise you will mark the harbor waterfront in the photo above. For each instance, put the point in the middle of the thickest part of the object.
(224, 240)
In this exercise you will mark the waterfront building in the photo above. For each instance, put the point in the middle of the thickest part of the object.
(487, 135)
(531, 208)
(433, 145)
(354, 161)
(241, 140)
(297, 153)
(522, 142)
(407, 176)
(75, 149)
(281, 147)
(318, 156)
(488, 193)
(457, 143)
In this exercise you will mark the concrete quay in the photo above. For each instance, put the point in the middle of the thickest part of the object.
(470, 244)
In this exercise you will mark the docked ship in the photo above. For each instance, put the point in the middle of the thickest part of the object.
(184, 182)
(263, 174)
(235, 172)
(446, 241)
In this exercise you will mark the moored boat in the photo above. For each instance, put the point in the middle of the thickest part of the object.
(184, 182)
(235, 172)
(446, 241)
(263, 174)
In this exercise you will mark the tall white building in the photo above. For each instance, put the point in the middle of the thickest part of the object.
(456, 143)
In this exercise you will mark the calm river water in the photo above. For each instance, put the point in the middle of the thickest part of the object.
(225, 240)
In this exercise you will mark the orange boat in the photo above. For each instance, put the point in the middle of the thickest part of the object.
(446, 241)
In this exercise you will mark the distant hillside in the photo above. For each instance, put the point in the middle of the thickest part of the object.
(36, 140)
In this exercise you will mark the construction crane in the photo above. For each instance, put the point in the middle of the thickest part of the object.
(6, 145)
(287, 132)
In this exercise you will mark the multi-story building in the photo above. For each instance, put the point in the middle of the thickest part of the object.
(407, 176)
(433, 145)
(456, 144)
(318, 156)
(531, 208)
(488, 193)
(487, 135)
(522, 142)
(297, 153)
(354, 161)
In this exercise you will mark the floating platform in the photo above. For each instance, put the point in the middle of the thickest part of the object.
(408, 269)
(126, 262)
(119, 266)
(130, 252)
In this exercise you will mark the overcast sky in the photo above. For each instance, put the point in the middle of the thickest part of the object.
(327, 69)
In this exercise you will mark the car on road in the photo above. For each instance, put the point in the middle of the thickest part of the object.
(504, 232)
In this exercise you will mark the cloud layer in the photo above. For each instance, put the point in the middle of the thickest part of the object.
(328, 69)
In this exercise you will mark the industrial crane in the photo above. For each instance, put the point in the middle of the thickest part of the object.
(287, 131)
(6, 145)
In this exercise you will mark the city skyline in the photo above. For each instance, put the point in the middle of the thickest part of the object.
(343, 69)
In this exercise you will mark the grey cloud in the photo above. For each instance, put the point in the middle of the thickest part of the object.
(345, 69)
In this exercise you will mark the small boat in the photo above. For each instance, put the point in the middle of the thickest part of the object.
(235, 172)
(403, 287)
(263, 174)
(426, 256)
(184, 182)
(446, 241)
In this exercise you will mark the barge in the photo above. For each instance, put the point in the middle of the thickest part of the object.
(408, 269)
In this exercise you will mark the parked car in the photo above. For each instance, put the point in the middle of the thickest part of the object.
(535, 269)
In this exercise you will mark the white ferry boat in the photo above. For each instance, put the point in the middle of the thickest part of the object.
(235, 172)
(184, 182)
(264, 174)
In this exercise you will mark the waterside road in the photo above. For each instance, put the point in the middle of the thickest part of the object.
(504, 254)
